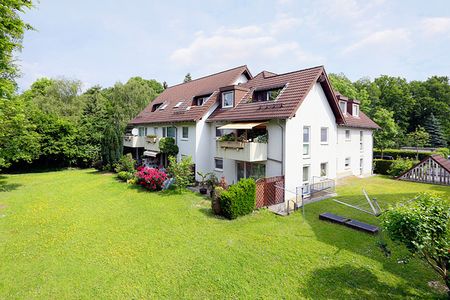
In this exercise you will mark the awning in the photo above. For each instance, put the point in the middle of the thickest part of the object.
(242, 125)
(150, 153)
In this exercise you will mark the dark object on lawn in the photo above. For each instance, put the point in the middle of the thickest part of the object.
(349, 223)
(333, 218)
(203, 191)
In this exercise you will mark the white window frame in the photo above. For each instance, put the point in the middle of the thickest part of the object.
(344, 111)
(166, 131)
(326, 169)
(223, 99)
(308, 143)
(141, 131)
(361, 139)
(216, 159)
(355, 110)
(162, 107)
(178, 104)
(349, 163)
(327, 137)
(220, 131)
(308, 167)
(349, 138)
(184, 138)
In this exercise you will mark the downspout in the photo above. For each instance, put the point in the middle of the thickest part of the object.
(282, 147)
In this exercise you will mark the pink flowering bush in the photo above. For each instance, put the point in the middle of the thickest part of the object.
(150, 178)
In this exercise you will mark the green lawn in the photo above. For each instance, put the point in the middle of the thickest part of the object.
(82, 234)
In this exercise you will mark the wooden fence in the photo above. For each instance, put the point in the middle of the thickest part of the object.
(269, 191)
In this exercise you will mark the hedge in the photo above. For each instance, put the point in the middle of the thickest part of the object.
(382, 166)
(239, 199)
(396, 153)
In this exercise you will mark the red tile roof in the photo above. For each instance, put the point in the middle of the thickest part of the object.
(185, 93)
(296, 86)
(363, 121)
(445, 163)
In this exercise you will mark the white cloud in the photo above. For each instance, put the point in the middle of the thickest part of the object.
(438, 25)
(235, 45)
(387, 39)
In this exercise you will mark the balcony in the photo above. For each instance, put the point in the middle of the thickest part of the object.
(243, 151)
(152, 144)
(133, 141)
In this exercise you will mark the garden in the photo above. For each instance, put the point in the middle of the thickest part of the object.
(84, 234)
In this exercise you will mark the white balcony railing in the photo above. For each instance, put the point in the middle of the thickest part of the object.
(133, 141)
(243, 151)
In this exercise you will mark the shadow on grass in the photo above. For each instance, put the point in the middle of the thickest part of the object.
(350, 282)
(7, 187)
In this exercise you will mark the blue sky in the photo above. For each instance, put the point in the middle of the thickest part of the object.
(102, 42)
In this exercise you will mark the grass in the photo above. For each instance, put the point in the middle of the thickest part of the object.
(82, 234)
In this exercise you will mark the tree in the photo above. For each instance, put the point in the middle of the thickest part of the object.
(418, 138)
(345, 87)
(423, 226)
(187, 78)
(385, 137)
(12, 28)
(434, 129)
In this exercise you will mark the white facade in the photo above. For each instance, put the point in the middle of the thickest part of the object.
(331, 151)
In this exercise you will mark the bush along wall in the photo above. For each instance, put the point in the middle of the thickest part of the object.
(382, 166)
(239, 199)
(396, 153)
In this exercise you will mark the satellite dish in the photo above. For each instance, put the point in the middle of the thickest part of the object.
(134, 131)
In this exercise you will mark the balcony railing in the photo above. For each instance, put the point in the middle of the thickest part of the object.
(133, 141)
(152, 144)
(243, 151)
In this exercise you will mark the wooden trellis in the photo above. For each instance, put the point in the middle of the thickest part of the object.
(433, 169)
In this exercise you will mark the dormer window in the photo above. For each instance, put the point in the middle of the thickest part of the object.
(266, 95)
(355, 110)
(272, 94)
(199, 101)
(178, 104)
(343, 106)
(227, 99)
(156, 106)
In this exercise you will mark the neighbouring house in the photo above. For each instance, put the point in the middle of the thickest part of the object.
(290, 126)
(433, 169)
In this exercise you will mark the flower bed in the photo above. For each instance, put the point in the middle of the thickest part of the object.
(150, 178)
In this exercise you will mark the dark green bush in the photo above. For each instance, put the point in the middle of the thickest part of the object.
(397, 153)
(400, 166)
(239, 199)
(124, 176)
(382, 166)
(167, 145)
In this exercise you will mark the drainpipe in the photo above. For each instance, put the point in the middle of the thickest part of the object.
(282, 147)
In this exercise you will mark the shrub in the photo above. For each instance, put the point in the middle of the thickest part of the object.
(167, 145)
(126, 164)
(181, 171)
(400, 166)
(150, 178)
(444, 152)
(239, 199)
(382, 166)
(125, 176)
(397, 153)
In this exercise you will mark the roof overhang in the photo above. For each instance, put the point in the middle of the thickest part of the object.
(243, 125)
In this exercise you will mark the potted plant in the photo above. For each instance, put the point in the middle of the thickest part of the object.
(151, 138)
(203, 189)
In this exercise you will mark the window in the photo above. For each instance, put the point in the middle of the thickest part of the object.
(199, 101)
(218, 164)
(141, 131)
(361, 166)
(347, 162)
(324, 135)
(156, 106)
(185, 133)
(348, 137)
(306, 140)
(324, 169)
(272, 94)
(218, 132)
(255, 171)
(356, 110)
(342, 105)
(227, 99)
(305, 173)
(155, 130)
(163, 107)
(178, 104)
(169, 132)
(361, 135)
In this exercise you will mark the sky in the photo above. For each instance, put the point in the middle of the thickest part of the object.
(102, 42)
